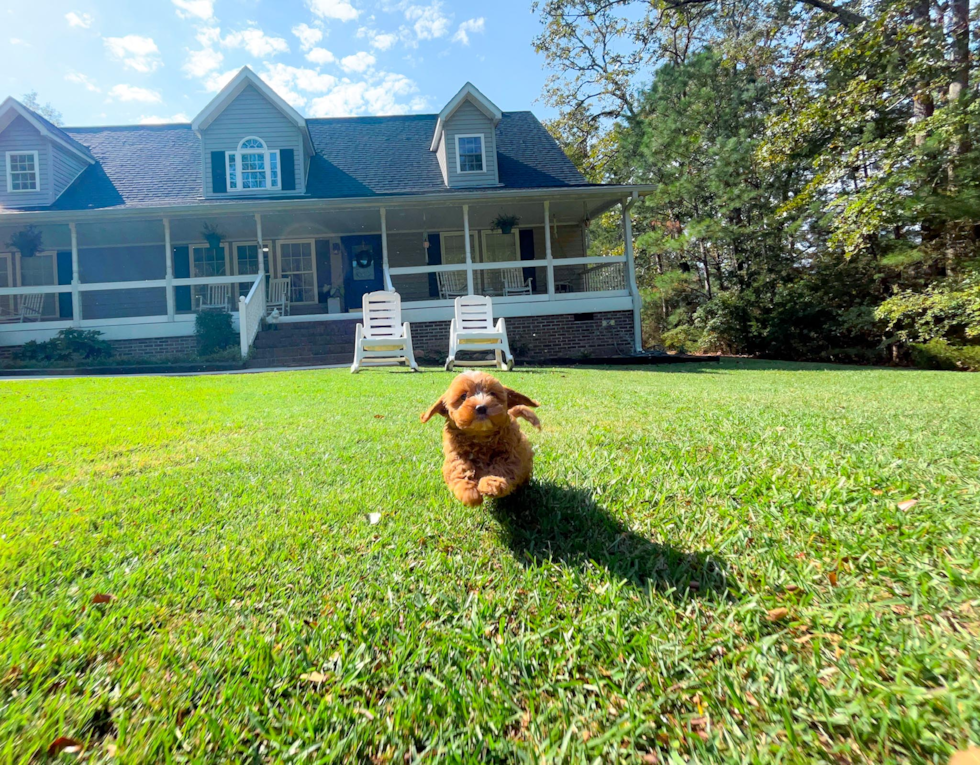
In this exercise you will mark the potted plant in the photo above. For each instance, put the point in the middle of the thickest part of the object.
(505, 223)
(27, 241)
(212, 235)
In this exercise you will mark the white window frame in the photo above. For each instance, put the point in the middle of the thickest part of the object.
(282, 274)
(483, 154)
(517, 242)
(37, 173)
(237, 155)
(474, 246)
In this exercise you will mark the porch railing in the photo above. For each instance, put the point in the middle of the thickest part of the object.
(251, 309)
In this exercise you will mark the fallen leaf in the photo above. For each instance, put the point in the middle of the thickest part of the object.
(832, 576)
(313, 677)
(374, 518)
(969, 756)
(699, 722)
(586, 735)
(877, 492)
(364, 712)
(907, 504)
(111, 749)
(64, 744)
(651, 758)
(777, 614)
(792, 588)
(753, 702)
(379, 416)
(103, 598)
(780, 429)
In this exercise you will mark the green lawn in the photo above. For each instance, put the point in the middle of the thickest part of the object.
(623, 607)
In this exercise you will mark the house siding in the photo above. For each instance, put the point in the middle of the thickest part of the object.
(468, 120)
(250, 114)
(65, 168)
(20, 135)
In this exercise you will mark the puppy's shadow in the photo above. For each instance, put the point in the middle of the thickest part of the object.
(547, 522)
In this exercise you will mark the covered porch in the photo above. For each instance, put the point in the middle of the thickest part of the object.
(134, 274)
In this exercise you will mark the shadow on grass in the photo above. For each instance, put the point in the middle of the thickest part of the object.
(563, 524)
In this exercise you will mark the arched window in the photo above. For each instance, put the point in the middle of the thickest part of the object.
(253, 166)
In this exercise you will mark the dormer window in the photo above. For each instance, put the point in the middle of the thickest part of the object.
(22, 171)
(253, 166)
(469, 154)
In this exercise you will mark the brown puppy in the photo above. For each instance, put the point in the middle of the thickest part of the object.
(487, 455)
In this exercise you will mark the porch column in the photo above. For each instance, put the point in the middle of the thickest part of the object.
(76, 295)
(547, 250)
(169, 260)
(469, 255)
(384, 251)
(627, 205)
(258, 238)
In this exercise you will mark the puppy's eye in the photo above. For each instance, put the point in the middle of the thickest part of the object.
(462, 397)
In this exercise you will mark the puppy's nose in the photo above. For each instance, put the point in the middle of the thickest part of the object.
(481, 409)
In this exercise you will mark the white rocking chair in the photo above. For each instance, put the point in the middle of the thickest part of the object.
(383, 340)
(218, 298)
(452, 284)
(515, 283)
(30, 309)
(279, 290)
(473, 329)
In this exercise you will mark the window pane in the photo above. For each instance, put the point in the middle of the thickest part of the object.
(500, 247)
(471, 154)
(23, 173)
(253, 171)
(274, 169)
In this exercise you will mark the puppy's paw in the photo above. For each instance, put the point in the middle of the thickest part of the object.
(468, 494)
(493, 486)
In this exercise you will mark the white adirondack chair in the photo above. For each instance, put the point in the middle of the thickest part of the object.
(515, 283)
(30, 309)
(217, 298)
(383, 340)
(452, 284)
(278, 296)
(473, 329)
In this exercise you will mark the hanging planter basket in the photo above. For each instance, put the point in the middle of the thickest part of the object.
(505, 223)
(212, 236)
(28, 242)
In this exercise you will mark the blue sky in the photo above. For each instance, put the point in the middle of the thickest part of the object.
(110, 62)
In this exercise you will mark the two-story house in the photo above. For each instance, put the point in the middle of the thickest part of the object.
(138, 222)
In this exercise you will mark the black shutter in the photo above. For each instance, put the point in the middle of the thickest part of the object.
(527, 253)
(287, 166)
(434, 258)
(64, 277)
(219, 178)
(182, 270)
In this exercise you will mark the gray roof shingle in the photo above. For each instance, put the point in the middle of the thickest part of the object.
(160, 165)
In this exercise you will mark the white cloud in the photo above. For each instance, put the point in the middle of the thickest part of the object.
(472, 26)
(199, 9)
(286, 80)
(208, 36)
(200, 62)
(430, 21)
(256, 42)
(341, 10)
(18, 41)
(133, 93)
(154, 120)
(83, 80)
(359, 62)
(379, 40)
(135, 52)
(216, 82)
(308, 36)
(82, 20)
(377, 95)
(320, 56)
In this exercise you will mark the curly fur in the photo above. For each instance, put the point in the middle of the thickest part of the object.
(487, 455)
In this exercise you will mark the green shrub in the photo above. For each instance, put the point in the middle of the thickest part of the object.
(683, 339)
(938, 354)
(948, 310)
(214, 332)
(68, 345)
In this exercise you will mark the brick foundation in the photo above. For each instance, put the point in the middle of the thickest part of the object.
(540, 338)
(143, 348)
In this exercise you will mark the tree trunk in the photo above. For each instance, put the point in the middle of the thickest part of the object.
(707, 268)
(958, 232)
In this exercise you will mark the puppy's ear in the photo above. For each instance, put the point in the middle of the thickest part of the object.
(437, 408)
(518, 399)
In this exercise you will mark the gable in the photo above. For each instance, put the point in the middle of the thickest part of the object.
(20, 136)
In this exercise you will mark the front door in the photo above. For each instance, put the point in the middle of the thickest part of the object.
(363, 270)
